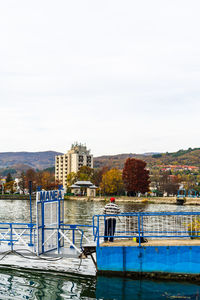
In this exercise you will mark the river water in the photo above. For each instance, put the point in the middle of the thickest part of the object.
(15, 284)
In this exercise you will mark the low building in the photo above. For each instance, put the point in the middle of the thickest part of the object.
(84, 188)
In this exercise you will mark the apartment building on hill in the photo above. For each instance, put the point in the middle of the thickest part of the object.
(72, 161)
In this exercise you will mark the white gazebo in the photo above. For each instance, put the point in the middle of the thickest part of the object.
(84, 188)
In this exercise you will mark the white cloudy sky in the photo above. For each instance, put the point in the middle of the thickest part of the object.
(120, 76)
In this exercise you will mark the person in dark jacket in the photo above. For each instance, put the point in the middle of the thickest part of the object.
(110, 221)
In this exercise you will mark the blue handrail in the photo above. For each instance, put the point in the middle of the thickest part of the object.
(187, 225)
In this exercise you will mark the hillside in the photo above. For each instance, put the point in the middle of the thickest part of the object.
(181, 157)
(15, 162)
(24, 160)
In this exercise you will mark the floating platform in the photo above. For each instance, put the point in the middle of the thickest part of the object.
(52, 245)
(167, 259)
(66, 262)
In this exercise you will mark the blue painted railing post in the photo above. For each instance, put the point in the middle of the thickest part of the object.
(58, 240)
(11, 238)
(139, 229)
(73, 236)
(142, 226)
(58, 228)
(98, 232)
(73, 228)
(31, 225)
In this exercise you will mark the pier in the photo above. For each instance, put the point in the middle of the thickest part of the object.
(145, 244)
(168, 245)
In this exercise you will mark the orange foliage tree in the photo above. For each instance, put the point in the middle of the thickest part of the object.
(112, 183)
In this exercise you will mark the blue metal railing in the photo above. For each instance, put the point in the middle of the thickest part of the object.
(149, 225)
(128, 226)
(77, 229)
(12, 233)
(15, 234)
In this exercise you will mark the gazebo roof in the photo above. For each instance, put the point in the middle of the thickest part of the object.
(93, 187)
(73, 186)
(84, 183)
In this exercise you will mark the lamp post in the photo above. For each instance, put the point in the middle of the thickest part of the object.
(31, 225)
(2, 184)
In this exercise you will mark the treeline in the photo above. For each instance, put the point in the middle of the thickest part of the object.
(168, 182)
(46, 179)
(133, 179)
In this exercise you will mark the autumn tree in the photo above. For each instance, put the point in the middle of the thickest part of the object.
(189, 182)
(169, 183)
(98, 175)
(112, 183)
(155, 178)
(9, 178)
(85, 173)
(71, 178)
(22, 182)
(31, 175)
(46, 180)
(10, 187)
(164, 181)
(39, 178)
(135, 176)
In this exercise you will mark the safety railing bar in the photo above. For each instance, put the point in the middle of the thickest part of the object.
(69, 241)
(6, 223)
(55, 231)
(6, 233)
(20, 234)
(169, 213)
(153, 236)
(149, 236)
(175, 231)
(20, 239)
(84, 236)
(17, 228)
(80, 225)
(148, 214)
(169, 236)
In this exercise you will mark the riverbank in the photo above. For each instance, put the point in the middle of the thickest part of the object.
(137, 200)
(16, 197)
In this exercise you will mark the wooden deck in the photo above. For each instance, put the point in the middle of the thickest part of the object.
(153, 242)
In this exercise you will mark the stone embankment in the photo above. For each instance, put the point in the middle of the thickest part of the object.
(138, 200)
(16, 197)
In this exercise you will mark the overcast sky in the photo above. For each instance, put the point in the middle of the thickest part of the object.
(120, 76)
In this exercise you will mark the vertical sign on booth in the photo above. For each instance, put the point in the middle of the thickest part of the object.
(50, 217)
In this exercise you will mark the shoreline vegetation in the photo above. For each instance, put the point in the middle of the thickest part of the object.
(135, 200)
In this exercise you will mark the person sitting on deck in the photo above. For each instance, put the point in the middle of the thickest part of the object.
(110, 221)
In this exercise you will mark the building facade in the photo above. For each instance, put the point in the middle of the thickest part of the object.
(77, 157)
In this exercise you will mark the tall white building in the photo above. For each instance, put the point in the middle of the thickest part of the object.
(72, 161)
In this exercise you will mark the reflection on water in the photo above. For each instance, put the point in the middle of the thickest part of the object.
(18, 285)
(119, 288)
(34, 285)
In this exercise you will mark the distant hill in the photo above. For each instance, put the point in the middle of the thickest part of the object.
(24, 160)
(15, 162)
(181, 157)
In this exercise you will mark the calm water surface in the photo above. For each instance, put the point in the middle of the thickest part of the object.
(34, 285)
